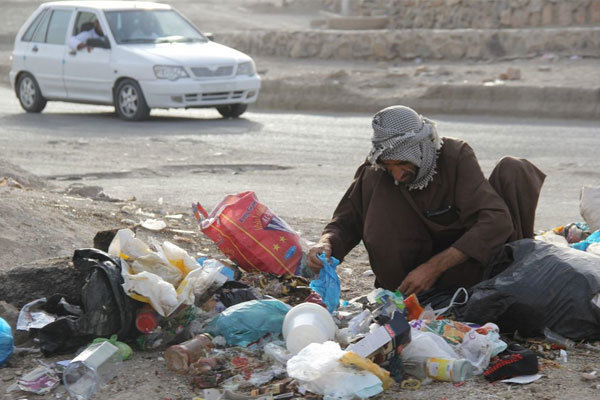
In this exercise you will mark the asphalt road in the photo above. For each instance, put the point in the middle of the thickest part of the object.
(299, 164)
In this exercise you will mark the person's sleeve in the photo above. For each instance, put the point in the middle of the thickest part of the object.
(481, 210)
(345, 229)
(74, 41)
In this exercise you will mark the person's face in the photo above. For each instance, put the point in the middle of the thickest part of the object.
(401, 171)
(97, 28)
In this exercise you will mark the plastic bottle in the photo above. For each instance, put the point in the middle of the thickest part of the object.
(91, 370)
(558, 339)
(180, 356)
(439, 369)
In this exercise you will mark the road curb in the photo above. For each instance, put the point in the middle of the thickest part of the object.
(553, 102)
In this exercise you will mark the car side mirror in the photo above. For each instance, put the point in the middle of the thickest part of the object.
(210, 36)
(96, 42)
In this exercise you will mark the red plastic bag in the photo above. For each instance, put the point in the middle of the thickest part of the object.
(247, 232)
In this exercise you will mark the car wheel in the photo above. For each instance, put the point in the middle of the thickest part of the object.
(29, 94)
(130, 103)
(232, 110)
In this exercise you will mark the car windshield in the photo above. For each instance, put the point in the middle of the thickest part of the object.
(151, 26)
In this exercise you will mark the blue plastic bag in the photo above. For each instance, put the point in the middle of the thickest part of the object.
(6, 341)
(583, 245)
(246, 322)
(327, 285)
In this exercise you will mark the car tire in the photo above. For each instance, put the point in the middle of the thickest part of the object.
(232, 110)
(29, 94)
(129, 100)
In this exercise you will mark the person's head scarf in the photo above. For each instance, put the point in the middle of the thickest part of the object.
(400, 134)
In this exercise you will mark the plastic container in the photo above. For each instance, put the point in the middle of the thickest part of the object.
(147, 319)
(180, 356)
(439, 369)
(92, 369)
(305, 324)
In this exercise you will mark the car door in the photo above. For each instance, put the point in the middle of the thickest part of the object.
(45, 53)
(88, 74)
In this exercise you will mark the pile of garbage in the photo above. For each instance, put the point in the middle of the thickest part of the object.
(261, 325)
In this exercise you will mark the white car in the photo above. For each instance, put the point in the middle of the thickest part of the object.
(133, 55)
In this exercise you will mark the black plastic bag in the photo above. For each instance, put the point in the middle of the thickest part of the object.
(105, 308)
(540, 285)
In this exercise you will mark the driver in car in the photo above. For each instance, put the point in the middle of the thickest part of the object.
(79, 41)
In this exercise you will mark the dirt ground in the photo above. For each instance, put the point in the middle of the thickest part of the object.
(46, 223)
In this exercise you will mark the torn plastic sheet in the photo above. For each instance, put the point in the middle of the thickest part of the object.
(31, 316)
(41, 380)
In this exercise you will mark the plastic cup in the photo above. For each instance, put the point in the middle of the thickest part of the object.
(305, 324)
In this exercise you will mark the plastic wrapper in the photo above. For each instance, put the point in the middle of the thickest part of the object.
(318, 369)
(32, 316)
(247, 322)
(327, 285)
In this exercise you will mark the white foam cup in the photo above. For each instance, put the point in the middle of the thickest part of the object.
(307, 323)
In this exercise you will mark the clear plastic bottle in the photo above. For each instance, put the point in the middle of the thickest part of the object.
(180, 356)
(554, 337)
(92, 369)
(439, 369)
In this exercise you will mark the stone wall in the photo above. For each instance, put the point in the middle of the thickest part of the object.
(478, 14)
(434, 44)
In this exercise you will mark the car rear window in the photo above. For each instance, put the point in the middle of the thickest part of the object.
(36, 22)
(57, 30)
(40, 33)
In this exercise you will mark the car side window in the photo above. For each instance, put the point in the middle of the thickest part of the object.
(40, 33)
(84, 22)
(57, 29)
(28, 35)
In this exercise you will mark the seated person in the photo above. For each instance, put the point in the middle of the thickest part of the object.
(424, 210)
(79, 41)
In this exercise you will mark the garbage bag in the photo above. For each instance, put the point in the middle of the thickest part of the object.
(327, 285)
(6, 341)
(251, 235)
(541, 285)
(105, 309)
(247, 322)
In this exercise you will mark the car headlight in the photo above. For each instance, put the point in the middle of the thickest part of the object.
(170, 72)
(246, 68)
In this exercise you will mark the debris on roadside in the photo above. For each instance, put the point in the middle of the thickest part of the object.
(254, 327)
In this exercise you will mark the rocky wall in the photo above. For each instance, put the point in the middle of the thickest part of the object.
(489, 14)
(388, 45)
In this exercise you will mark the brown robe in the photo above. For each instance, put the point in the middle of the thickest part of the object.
(402, 229)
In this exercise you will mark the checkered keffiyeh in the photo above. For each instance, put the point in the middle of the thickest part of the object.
(400, 134)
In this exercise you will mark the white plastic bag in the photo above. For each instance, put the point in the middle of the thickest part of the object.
(318, 369)
(157, 265)
(477, 349)
(589, 206)
(427, 344)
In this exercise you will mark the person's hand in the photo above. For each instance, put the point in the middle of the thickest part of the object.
(420, 279)
(314, 262)
(81, 46)
(89, 48)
